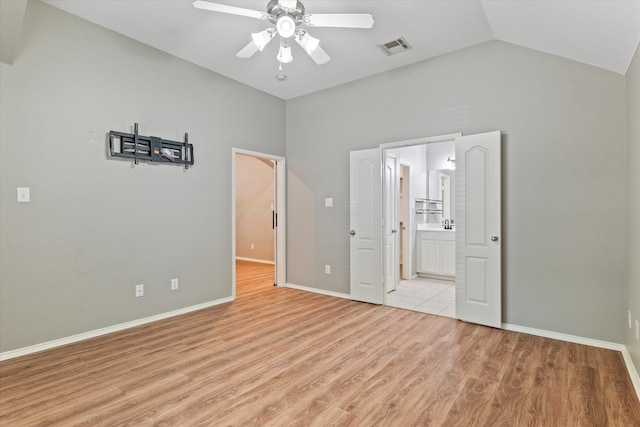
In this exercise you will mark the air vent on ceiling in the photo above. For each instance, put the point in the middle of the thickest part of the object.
(395, 46)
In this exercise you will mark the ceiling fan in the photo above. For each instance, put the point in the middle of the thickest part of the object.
(287, 16)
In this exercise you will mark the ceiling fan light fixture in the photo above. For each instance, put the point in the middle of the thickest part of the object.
(262, 38)
(308, 43)
(285, 26)
(284, 54)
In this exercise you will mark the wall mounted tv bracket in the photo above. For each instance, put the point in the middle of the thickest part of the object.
(151, 148)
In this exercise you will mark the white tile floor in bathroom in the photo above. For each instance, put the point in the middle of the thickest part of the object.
(425, 295)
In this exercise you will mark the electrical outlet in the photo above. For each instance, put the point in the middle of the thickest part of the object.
(629, 318)
(253, 246)
(174, 284)
(637, 330)
(139, 290)
(327, 269)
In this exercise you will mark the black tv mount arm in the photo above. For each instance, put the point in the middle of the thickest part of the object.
(151, 148)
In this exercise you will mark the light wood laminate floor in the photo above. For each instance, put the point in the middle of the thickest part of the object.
(283, 357)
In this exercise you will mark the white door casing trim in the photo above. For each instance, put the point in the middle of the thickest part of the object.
(420, 141)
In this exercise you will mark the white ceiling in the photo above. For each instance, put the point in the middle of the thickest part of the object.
(602, 33)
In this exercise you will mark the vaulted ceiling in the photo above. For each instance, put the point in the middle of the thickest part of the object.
(601, 33)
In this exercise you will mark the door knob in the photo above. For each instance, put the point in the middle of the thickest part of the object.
(352, 232)
(494, 238)
(394, 231)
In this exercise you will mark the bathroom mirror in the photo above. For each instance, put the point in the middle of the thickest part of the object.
(441, 187)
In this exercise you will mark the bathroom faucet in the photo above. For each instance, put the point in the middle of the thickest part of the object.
(446, 225)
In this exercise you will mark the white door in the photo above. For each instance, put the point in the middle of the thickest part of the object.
(366, 225)
(478, 226)
(274, 222)
(405, 229)
(390, 223)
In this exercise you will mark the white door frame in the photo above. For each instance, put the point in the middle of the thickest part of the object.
(279, 207)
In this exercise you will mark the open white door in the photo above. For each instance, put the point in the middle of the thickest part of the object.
(366, 225)
(391, 223)
(478, 226)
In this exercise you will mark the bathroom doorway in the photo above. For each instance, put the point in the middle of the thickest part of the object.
(423, 170)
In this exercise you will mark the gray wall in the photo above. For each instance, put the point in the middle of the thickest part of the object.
(96, 226)
(564, 198)
(254, 208)
(633, 203)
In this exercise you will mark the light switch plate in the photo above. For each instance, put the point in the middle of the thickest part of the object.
(23, 195)
(328, 202)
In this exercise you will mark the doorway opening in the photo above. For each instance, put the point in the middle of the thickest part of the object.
(425, 248)
(471, 251)
(258, 223)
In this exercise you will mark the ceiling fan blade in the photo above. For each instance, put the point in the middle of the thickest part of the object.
(320, 56)
(340, 20)
(217, 7)
(288, 4)
(248, 50)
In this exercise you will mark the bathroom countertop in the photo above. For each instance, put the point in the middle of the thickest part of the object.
(432, 227)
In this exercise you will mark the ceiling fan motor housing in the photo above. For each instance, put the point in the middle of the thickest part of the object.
(275, 12)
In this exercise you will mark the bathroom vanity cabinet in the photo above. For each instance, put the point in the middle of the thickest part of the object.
(437, 253)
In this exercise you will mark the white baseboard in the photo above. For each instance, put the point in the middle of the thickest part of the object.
(633, 373)
(563, 337)
(109, 329)
(261, 261)
(318, 291)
